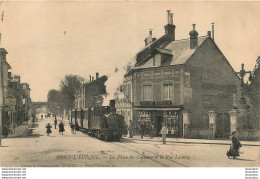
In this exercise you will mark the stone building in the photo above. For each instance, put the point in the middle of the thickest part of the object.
(4, 84)
(15, 96)
(89, 95)
(187, 84)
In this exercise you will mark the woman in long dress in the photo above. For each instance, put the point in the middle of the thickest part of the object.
(48, 129)
(61, 128)
(234, 147)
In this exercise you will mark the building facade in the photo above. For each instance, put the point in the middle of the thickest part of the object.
(180, 83)
(89, 95)
(15, 96)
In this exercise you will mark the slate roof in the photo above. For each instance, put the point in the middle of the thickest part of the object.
(178, 53)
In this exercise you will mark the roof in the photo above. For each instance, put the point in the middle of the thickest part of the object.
(178, 53)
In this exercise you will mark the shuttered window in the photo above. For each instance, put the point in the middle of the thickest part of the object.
(167, 92)
(147, 92)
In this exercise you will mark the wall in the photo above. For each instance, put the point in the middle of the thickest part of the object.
(218, 80)
(157, 77)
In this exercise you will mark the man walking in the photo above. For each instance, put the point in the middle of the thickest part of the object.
(142, 129)
(55, 122)
(130, 129)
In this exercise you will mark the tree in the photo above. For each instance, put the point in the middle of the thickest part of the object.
(55, 102)
(69, 86)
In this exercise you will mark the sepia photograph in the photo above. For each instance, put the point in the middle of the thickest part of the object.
(129, 84)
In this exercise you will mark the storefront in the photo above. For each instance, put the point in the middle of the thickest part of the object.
(154, 118)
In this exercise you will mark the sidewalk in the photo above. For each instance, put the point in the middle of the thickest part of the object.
(19, 130)
(193, 141)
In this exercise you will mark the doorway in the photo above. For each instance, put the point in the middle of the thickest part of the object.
(159, 121)
(223, 126)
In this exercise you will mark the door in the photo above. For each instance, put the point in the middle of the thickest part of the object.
(159, 125)
(223, 126)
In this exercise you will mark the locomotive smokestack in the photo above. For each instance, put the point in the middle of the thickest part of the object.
(112, 105)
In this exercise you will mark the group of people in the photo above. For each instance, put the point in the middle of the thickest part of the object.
(61, 127)
(74, 128)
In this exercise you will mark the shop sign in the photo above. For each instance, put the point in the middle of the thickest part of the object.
(187, 79)
(187, 93)
(153, 103)
(144, 116)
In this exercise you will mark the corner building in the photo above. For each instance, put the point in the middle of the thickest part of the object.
(180, 83)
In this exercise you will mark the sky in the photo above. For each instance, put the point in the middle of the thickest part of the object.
(47, 40)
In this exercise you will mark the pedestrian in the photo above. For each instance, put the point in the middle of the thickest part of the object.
(72, 127)
(164, 132)
(142, 128)
(234, 147)
(61, 128)
(151, 130)
(55, 122)
(33, 119)
(48, 129)
(130, 129)
(5, 131)
(77, 127)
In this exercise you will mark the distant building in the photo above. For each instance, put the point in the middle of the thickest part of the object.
(89, 95)
(181, 83)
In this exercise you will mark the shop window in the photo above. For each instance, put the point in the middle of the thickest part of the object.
(167, 92)
(171, 119)
(147, 92)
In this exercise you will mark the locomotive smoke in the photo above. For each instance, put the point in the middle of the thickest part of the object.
(115, 80)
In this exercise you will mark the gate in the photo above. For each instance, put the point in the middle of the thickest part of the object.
(223, 126)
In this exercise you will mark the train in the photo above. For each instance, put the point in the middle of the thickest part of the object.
(101, 122)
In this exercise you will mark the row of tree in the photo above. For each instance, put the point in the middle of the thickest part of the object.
(63, 99)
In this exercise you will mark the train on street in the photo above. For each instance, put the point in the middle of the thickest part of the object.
(101, 122)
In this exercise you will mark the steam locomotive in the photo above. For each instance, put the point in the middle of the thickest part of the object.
(101, 121)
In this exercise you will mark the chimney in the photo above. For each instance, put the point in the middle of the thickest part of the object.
(89, 77)
(170, 28)
(193, 37)
(209, 34)
(168, 16)
(112, 105)
(97, 76)
(17, 78)
(171, 18)
(149, 39)
(150, 33)
(212, 30)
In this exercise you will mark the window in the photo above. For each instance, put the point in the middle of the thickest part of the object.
(147, 92)
(167, 92)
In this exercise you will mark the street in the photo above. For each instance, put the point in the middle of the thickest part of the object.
(36, 149)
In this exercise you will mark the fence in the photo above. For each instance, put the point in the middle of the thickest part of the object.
(198, 133)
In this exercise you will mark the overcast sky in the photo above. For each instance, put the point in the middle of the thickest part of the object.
(46, 40)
